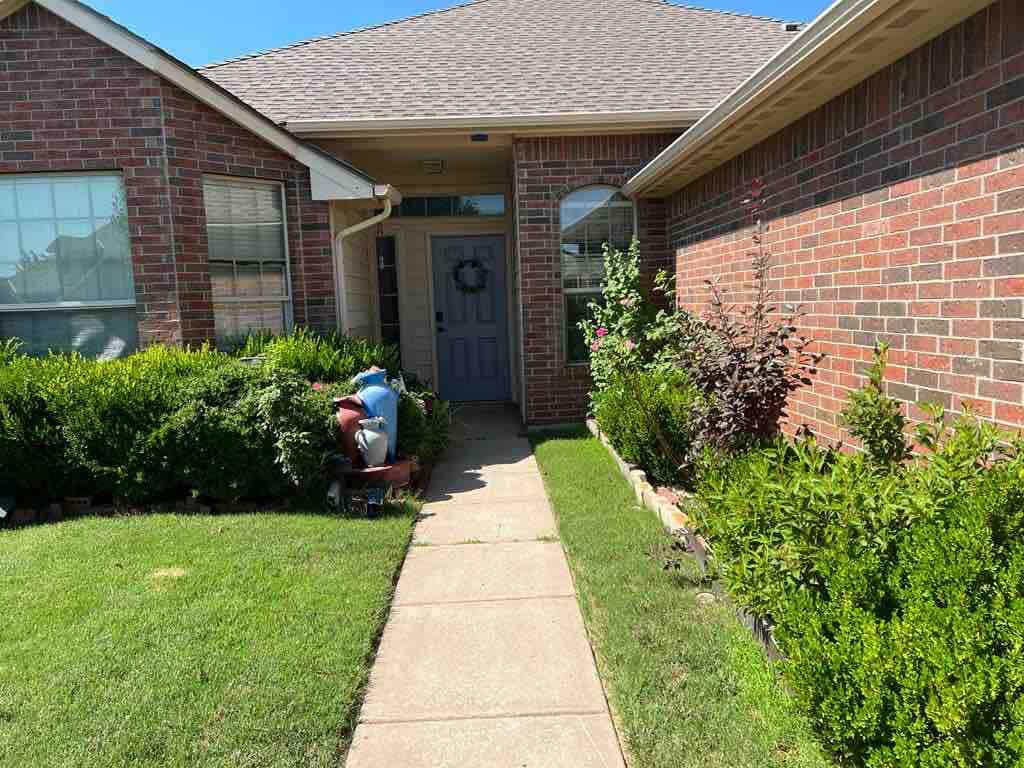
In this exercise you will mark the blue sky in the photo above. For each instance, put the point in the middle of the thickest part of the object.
(201, 31)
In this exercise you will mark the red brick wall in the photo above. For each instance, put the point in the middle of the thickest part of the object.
(70, 103)
(547, 169)
(199, 141)
(895, 213)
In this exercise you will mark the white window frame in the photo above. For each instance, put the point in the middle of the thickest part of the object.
(72, 306)
(583, 291)
(286, 299)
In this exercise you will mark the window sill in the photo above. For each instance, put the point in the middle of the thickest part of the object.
(70, 306)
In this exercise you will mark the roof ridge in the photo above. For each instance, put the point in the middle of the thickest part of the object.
(457, 7)
(719, 11)
(345, 33)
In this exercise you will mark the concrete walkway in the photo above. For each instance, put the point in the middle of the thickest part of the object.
(484, 661)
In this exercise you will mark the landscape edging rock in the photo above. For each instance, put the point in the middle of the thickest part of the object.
(677, 523)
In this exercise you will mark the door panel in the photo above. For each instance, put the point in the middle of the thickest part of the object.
(471, 321)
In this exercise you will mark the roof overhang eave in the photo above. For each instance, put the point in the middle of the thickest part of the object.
(540, 123)
(798, 79)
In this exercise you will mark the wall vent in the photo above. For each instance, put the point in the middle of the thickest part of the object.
(434, 166)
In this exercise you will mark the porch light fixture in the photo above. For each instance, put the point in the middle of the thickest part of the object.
(479, 137)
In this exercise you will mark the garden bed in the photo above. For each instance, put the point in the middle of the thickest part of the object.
(193, 426)
(191, 640)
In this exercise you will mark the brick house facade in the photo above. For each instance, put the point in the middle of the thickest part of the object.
(896, 214)
(72, 104)
(546, 170)
(895, 210)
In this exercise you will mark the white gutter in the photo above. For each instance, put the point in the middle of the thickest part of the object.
(822, 37)
(669, 117)
(390, 196)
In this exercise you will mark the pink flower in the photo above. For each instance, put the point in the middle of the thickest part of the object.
(627, 302)
(595, 346)
(630, 345)
(318, 386)
(602, 332)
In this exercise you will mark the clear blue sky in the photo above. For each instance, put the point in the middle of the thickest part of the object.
(201, 31)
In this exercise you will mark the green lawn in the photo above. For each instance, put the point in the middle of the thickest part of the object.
(688, 684)
(173, 640)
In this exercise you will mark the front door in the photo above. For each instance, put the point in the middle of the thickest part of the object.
(470, 318)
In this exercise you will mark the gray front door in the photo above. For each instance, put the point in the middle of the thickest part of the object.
(470, 318)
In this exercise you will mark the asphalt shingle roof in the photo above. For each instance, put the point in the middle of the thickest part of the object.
(511, 58)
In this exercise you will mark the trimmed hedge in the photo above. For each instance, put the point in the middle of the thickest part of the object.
(168, 422)
(897, 596)
(650, 418)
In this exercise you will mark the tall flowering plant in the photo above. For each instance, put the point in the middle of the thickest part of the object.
(616, 327)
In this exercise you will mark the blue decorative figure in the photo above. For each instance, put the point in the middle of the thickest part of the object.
(380, 400)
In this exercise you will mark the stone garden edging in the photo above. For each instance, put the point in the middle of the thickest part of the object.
(677, 523)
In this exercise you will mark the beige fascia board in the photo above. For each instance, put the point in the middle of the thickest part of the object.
(894, 28)
(518, 124)
(7, 7)
(345, 182)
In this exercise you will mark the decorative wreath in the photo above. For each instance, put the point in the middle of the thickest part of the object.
(470, 276)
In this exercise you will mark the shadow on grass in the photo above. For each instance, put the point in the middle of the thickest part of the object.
(405, 506)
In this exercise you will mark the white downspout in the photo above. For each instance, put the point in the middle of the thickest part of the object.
(339, 249)
(366, 224)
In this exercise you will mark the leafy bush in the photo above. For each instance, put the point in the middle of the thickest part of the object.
(109, 409)
(896, 595)
(747, 361)
(9, 350)
(423, 432)
(321, 357)
(876, 419)
(651, 419)
(211, 445)
(617, 327)
(33, 456)
(167, 421)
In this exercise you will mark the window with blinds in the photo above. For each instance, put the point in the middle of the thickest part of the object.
(248, 251)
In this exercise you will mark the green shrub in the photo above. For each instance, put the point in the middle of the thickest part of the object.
(876, 419)
(34, 464)
(650, 418)
(243, 431)
(167, 421)
(109, 409)
(10, 350)
(321, 357)
(299, 420)
(422, 432)
(897, 596)
(616, 327)
(209, 444)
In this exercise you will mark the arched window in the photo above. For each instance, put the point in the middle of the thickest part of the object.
(591, 217)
